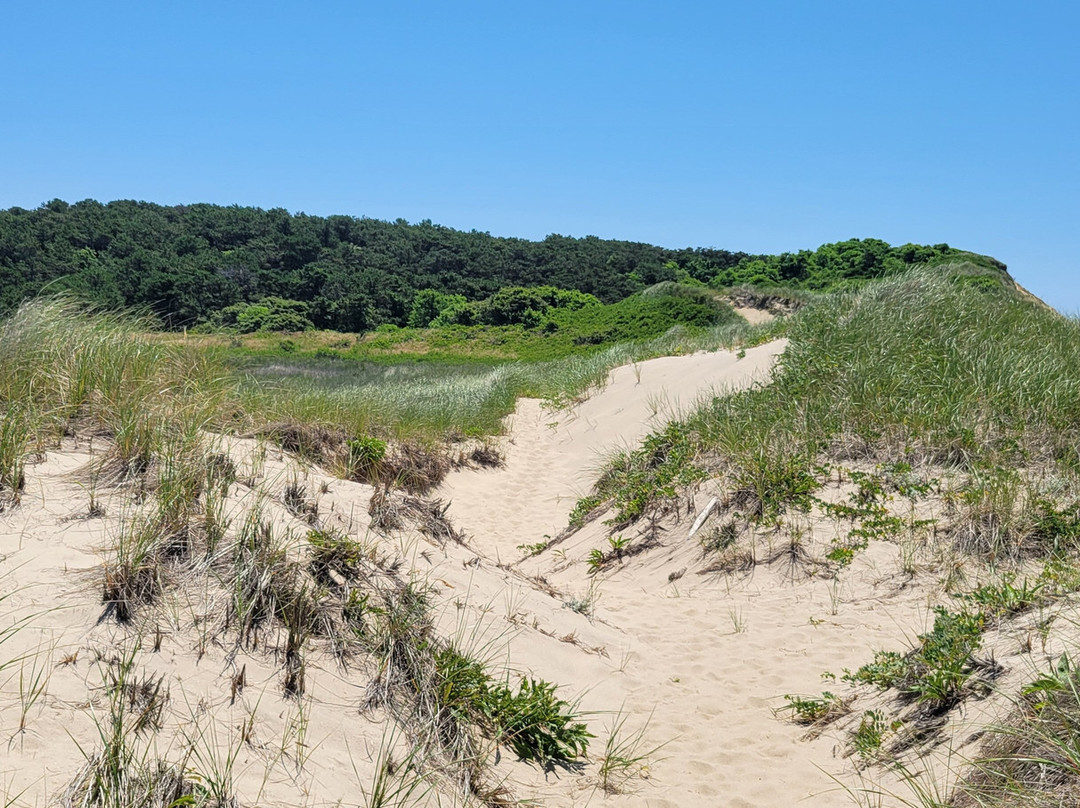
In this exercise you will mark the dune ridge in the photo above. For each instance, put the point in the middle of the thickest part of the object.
(689, 663)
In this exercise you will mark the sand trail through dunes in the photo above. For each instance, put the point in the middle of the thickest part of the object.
(692, 661)
(698, 663)
(552, 456)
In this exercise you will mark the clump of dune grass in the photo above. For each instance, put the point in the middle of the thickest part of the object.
(177, 525)
(123, 770)
(16, 433)
(74, 369)
(257, 576)
(394, 782)
(1033, 758)
(627, 755)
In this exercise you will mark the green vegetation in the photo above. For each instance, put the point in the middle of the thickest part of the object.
(64, 371)
(1005, 598)
(556, 333)
(62, 368)
(868, 737)
(818, 710)
(536, 724)
(645, 476)
(268, 314)
(1032, 758)
(921, 368)
(848, 264)
(940, 666)
(365, 454)
(432, 400)
(252, 269)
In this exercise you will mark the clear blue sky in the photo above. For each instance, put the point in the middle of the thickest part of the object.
(764, 126)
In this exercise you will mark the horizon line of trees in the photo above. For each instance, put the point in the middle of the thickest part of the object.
(203, 263)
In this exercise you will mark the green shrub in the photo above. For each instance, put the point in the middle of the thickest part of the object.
(937, 669)
(270, 314)
(538, 725)
(815, 710)
(365, 454)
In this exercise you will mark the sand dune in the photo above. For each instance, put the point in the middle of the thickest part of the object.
(552, 456)
(695, 663)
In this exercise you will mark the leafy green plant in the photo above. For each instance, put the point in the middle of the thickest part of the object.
(582, 508)
(534, 549)
(647, 476)
(333, 552)
(1042, 691)
(365, 454)
(720, 537)
(843, 553)
(815, 709)
(1005, 598)
(900, 477)
(595, 560)
(537, 724)
(868, 737)
(937, 669)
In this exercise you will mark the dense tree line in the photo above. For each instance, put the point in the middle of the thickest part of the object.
(199, 263)
(842, 263)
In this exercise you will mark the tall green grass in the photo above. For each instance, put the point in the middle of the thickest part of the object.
(64, 368)
(924, 367)
(918, 366)
(432, 401)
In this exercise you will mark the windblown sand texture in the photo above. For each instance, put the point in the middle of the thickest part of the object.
(697, 662)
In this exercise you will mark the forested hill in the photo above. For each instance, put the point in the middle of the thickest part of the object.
(188, 262)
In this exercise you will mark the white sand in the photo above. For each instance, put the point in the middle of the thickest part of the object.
(697, 663)
(552, 457)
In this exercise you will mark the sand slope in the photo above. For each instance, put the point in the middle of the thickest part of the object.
(552, 456)
(702, 660)
(696, 663)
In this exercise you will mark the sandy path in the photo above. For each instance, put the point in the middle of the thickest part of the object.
(697, 663)
(709, 658)
(552, 457)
